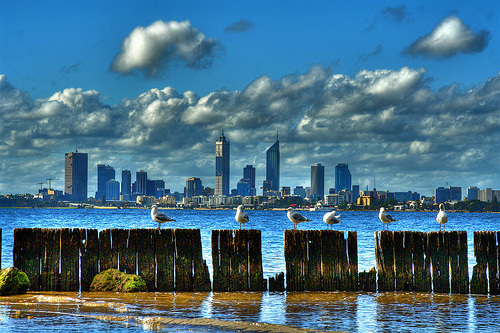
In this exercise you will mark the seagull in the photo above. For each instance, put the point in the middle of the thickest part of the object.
(295, 217)
(385, 218)
(159, 216)
(331, 219)
(441, 217)
(241, 217)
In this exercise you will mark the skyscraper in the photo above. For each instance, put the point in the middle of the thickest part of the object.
(342, 177)
(193, 187)
(141, 179)
(249, 173)
(222, 166)
(317, 181)
(126, 185)
(104, 174)
(76, 175)
(273, 165)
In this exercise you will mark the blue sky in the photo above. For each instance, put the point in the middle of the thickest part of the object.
(407, 93)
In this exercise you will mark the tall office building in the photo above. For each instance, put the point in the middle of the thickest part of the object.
(273, 165)
(112, 190)
(76, 175)
(342, 177)
(141, 179)
(126, 185)
(472, 193)
(104, 174)
(249, 173)
(317, 181)
(222, 166)
(193, 187)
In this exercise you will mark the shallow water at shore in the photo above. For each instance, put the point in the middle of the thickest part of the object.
(250, 312)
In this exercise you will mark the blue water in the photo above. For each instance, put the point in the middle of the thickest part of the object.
(352, 312)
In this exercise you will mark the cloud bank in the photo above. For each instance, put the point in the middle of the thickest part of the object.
(387, 124)
(449, 37)
(150, 50)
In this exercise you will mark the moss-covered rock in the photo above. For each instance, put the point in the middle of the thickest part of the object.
(13, 281)
(114, 280)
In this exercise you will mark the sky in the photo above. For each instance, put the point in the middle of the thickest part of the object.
(406, 93)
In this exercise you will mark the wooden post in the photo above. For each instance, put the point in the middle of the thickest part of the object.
(294, 253)
(165, 259)
(352, 249)
(120, 240)
(89, 252)
(479, 282)
(239, 262)
(221, 259)
(368, 280)
(463, 263)
(107, 256)
(329, 262)
(492, 262)
(384, 252)
(421, 262)
(277, 283)
(27, 254)
(257, 281)
(312, 264)
(403, 260)
(201, 276)
(183, 260)
(70, 259)
(145, 244)
(50, 252)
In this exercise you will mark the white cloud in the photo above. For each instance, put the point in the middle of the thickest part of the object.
(448, 38)
(150, 49)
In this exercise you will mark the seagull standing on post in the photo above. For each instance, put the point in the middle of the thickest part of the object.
(295, 217)
(441, 217)
(159, 216)
(385, 218)
(330, 219)
(241, 217)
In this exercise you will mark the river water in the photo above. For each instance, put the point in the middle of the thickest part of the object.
(242, 312)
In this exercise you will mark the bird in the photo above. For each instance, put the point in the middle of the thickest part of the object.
(441, 217)
(385, 218)
(331, 219)
(295, 217)
(159, 216)
(241, 217)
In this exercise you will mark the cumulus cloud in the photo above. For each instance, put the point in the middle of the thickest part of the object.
(151, 49)
(449, 37)
(240, 26)
(387, 124)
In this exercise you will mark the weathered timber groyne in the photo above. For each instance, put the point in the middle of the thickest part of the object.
(237, 260)
(168, 259)
(321, 260)
(316, 260)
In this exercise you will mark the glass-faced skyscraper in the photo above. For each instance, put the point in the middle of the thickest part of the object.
(317, 181)
(342, 177)
(222, 166)
(104, 174)
(273, 165)
(126, 185)
(76, 175)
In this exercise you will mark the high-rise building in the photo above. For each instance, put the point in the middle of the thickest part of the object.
(472, 193)
(76, 175)
(243, 187)
(249, 173)
(193, 187)
(355, 192)
(273, 165)
(112, 190)
(317, 181)
(450, 194)
(342, 177)
(141, 179)
(126, 185)
(104, 174)
(222, 166)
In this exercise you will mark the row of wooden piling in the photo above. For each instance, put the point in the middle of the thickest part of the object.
(316, 260)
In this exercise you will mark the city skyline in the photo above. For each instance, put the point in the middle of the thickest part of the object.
(406, 94)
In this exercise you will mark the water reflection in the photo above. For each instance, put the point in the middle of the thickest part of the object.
(210, 312)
